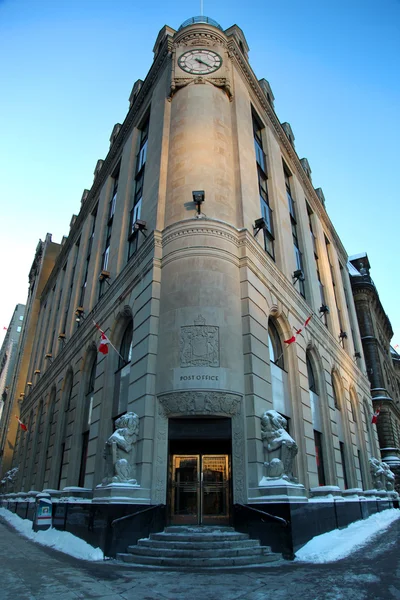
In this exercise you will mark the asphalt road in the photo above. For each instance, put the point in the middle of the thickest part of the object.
(33, 572)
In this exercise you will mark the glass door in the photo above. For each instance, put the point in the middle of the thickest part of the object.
(200, 492)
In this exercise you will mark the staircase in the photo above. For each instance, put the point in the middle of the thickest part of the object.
(198, 548)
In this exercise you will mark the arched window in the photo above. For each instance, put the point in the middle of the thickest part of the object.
(312, 382)
(340, 430)
(87, 419)
(317, 420)
(275, 345)
(279, 377)
(121, 380)
(66, 405)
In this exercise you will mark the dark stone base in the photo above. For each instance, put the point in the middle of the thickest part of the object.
(305, 520)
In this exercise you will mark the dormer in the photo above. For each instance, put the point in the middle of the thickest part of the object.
(114, 133)
(135, 90)
(266, 88)
(289, 133)
(306, 167)
(97, 170)
(84, 196)
(165, 32)
(72, 222)
(320, 195)
(237, 34)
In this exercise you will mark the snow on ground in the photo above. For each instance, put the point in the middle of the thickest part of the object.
(59, 540)
(339, 543)
(327, 547)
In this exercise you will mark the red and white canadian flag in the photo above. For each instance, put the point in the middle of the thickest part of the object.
(24, 427)
(375, 416)
(104, 341)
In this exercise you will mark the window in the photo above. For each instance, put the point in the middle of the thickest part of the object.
(266, 211)
(21, 317)
(312, 384)
(319, 457)
(133, 234)
(324, 316)
(88, 254)
(121, 380)
(343, 460)
(275, 346)
(110, 219)
(335, 292)
(293, 223)
(19, 329)
(87, 419)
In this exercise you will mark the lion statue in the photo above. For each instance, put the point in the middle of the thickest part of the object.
(281, 449)
(119, 450)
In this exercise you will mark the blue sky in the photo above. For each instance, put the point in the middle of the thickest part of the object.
(68, 67)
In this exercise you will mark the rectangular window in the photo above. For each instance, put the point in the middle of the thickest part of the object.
(133, 233)
(319, 457)
(335, 291)
(293, 222)
(21, 317)
(266, 211)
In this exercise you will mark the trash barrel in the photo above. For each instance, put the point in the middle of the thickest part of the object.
(43, 512)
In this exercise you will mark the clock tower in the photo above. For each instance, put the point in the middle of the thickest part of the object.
(201, 56)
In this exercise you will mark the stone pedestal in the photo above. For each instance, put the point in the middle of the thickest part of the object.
(121, 493)
(277, 490)
(326, 491)
(77, 493)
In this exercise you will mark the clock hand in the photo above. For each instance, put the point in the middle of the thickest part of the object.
(202, 61)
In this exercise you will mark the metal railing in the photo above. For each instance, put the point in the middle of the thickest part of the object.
(139, 512)
(265, 514)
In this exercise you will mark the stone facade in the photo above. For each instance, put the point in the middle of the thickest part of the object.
(382, 361)
(187, 294)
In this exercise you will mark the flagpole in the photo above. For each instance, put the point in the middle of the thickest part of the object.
(109, 341)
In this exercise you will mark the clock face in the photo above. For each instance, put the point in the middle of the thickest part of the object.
(200, 61)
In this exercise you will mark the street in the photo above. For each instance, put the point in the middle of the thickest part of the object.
(33, 572)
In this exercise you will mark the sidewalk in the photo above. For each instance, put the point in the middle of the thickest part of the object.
(33, 572)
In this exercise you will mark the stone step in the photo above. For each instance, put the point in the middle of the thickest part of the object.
(199, 529)
(198, 562)
(198, 537)
(145, 551)
(199, 545)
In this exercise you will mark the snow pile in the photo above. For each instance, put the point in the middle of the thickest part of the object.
(339, 543)
(59, 540)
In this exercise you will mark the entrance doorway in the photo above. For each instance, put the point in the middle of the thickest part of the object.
(200, 489)
(199, 474)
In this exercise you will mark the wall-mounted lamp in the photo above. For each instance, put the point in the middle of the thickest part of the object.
(61, 337)
(298, 275)
(140, 226)
(49, 357)
(324, 309)
(198, 199)
(342, 335)
(259, 224)
(79, 314)
(357, 354)
(105, 276)
(29, 384)
(37, 372)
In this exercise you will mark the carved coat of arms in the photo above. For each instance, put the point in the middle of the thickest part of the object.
(199, 344)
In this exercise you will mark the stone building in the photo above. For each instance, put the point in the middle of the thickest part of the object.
(20, 383)
(8, 354)
(382, 361)
(200, 249)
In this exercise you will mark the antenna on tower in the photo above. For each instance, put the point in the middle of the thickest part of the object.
(201, 8)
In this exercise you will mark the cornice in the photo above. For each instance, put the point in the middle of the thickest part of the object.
(312, 196)
(133, 115)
